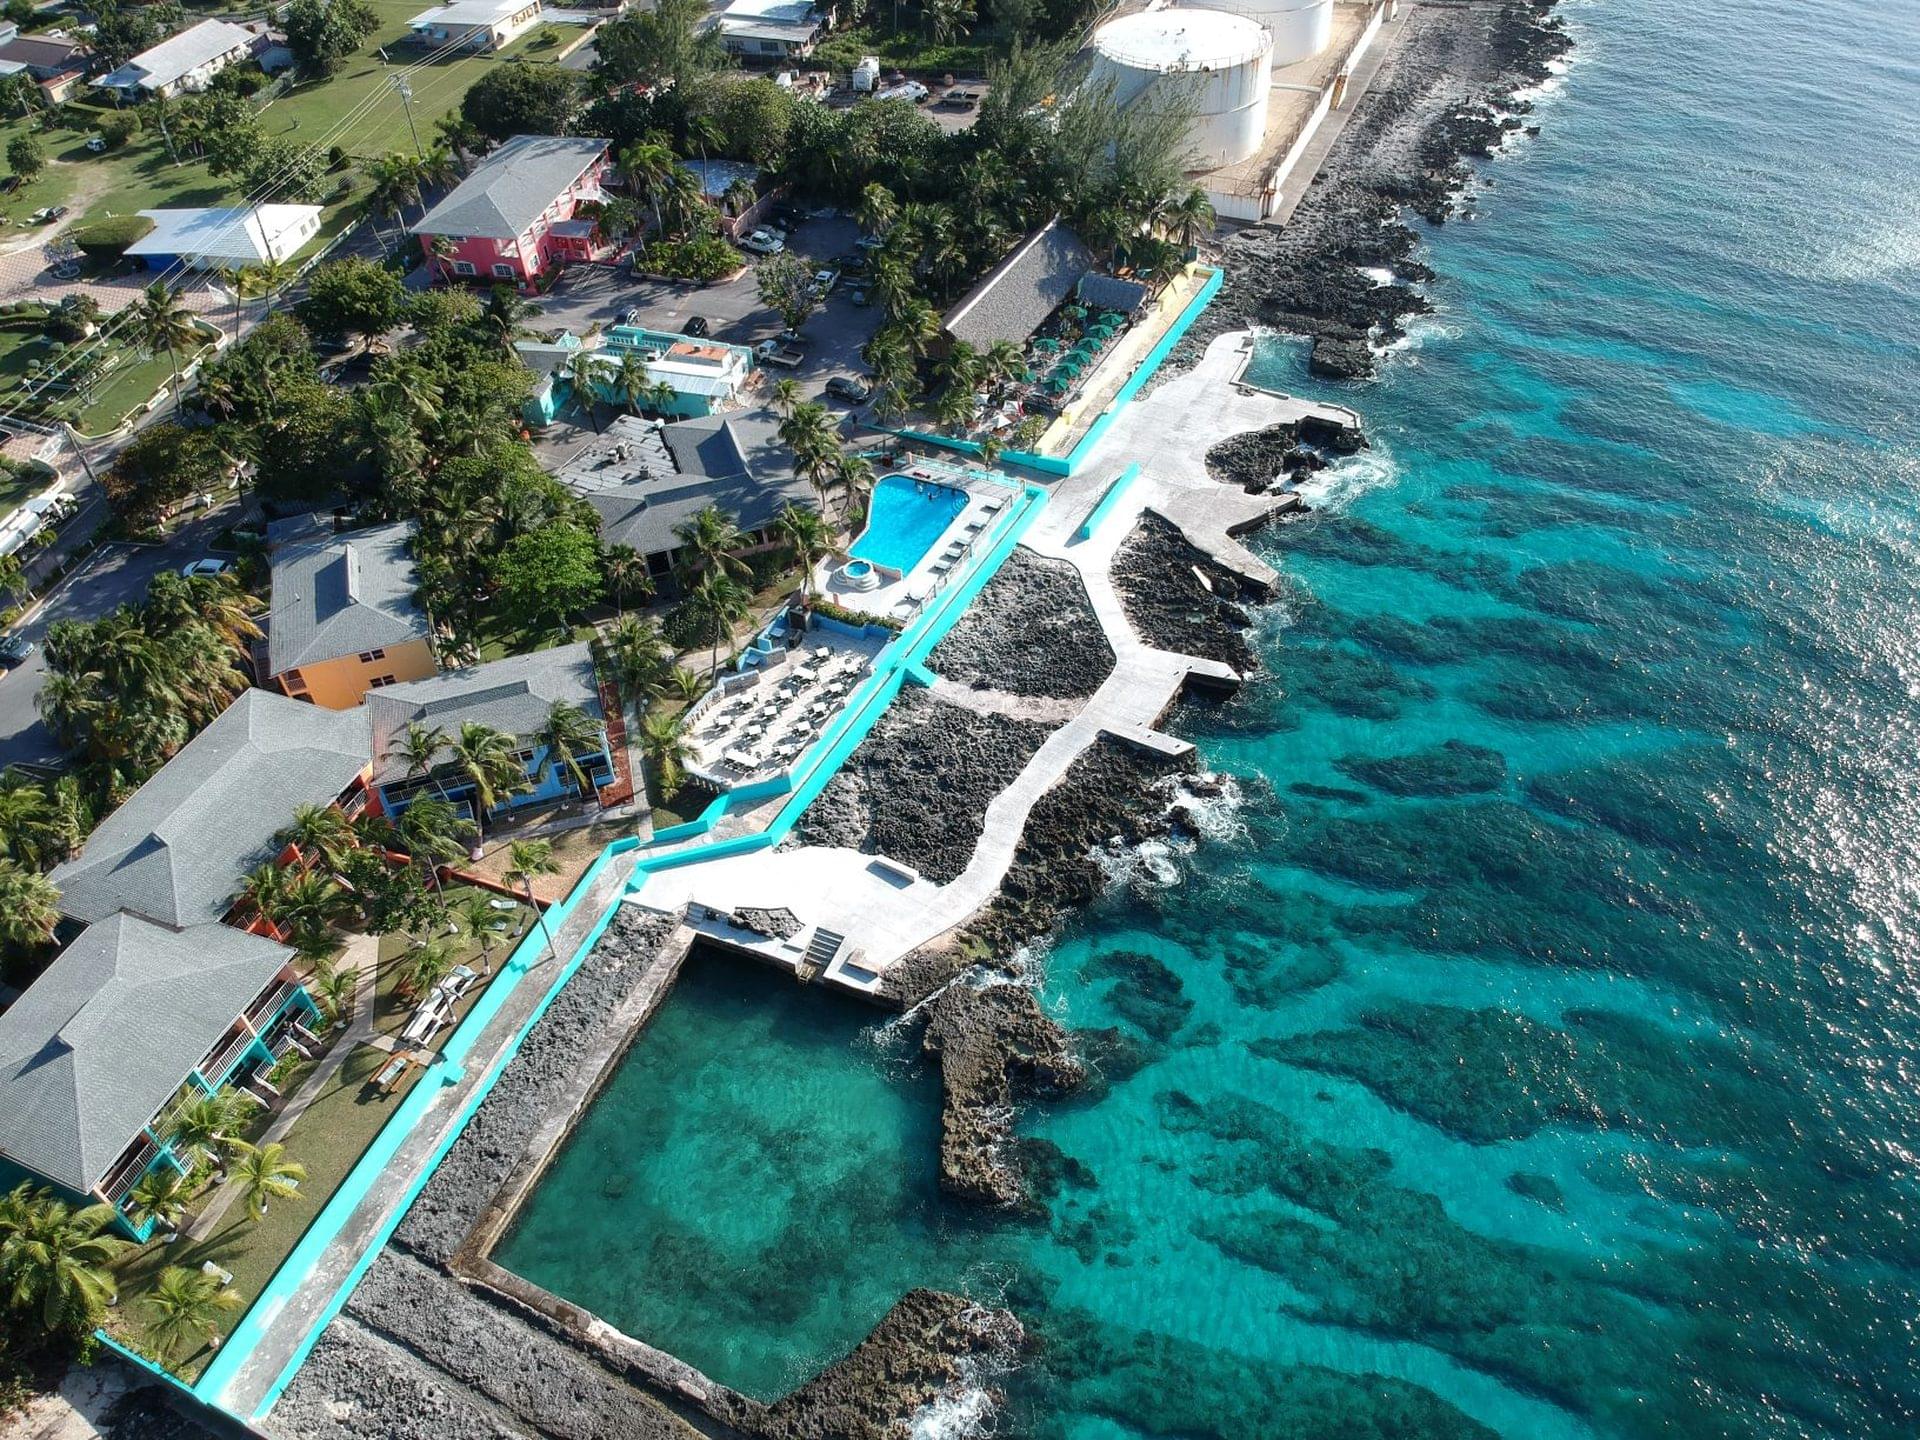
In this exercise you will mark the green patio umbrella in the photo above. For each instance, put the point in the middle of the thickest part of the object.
(1046, 347)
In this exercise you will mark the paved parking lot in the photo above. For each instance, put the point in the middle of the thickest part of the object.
(602, 295)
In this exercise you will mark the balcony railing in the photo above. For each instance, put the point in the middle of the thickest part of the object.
(262, 1009)
(220, 1059)
(128, 1169)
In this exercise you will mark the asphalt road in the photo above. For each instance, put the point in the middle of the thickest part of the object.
(112, 576)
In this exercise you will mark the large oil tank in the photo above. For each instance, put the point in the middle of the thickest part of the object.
(1222, 60)
(1300, 28)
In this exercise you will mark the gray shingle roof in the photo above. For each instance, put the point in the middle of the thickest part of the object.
(342, 594)
(511, 187)
(106, 1036)
(734, 461)
(162, 64)
(179, 847)
(513, 695)
(1022, 290)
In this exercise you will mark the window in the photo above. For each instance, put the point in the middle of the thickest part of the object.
(380, 681)
(504, 271)
(296, 683)
(367, 657)
(464, 267)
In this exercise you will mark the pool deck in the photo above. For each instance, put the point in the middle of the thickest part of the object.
(884, 911)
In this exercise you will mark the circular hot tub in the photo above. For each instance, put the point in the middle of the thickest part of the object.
(859, 575)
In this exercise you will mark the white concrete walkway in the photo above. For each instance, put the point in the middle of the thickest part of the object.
(885, 915)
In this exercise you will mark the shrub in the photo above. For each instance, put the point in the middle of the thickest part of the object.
(108, 239)
(118, 128)
(705, 259)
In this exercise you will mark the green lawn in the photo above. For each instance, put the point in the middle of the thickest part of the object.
(356, 109)
(392, 1011)
(328, 1139)
(496, 639)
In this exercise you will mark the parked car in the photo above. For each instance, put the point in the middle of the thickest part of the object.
(96, 143)
(764, 242)
(794, 340)
(775, 352)
(46, 214)
(859, 294)
(635, 317)
(208, 566)
(14, 649)
(696, 327)
(849, 388)
(854, 262)
(823, 282)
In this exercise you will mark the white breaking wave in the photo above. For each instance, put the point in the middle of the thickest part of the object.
(1339, 483)
(1379, 274)
(956, 1415)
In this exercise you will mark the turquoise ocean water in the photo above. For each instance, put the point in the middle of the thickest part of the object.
(1537, 1046)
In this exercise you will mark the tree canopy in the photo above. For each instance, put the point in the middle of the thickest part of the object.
(549, 574)
(514, 100)
(323, 33)
(352, 298)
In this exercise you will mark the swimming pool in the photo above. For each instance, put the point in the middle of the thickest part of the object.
(908, 515)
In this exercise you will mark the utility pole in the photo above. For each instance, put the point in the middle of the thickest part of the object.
(405, 92)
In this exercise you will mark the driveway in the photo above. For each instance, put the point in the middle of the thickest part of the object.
(113, 576)
(602, 295)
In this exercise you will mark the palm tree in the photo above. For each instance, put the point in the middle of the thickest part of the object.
(434, 833)
(808, 538)
(688, 685)
(526, 859)
(161, 322)
(877, 210)
(272, 276)
(784, 396)
(632, 383)
(571, 734)
(856, 477)
(335, 988)
(424, 966)
(718, 602)
(739, 195)
(54, 1259)
(419, 749)
(1004, 361)
(441, 250)
(1190, 219)
(30, 828)
(29, 907)
(647, 166)
(211, 1123)
(637, 655)
(711, 541)
(579, 372)
(476, 912)
(490, 761)
(264, 1174)
(626, 570)
(319, 832)
(664, 746)
(186, 1306)
(438, 168)
(160, 1195)
(396, 184)
(808, 432)
(312, 901)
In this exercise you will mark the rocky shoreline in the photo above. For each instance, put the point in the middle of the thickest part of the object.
(1446, 96)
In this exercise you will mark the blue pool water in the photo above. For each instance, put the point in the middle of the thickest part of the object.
(1537, 1058)
(907, 517)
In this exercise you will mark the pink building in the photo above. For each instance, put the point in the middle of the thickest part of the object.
(513, 217)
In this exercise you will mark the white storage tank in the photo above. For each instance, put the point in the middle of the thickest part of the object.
(1301, 29)
(1225, 60)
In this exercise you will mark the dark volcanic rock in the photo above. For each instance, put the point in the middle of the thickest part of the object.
(1178, 597)
(354, 1386)
(917, 787)
(496, 1137)
(1114, 793)
(492, 1350)
(1444, 96)
(930, 1343)
(1031, 632)
(149, 1413)
(996, 1046)
(1258, 460)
